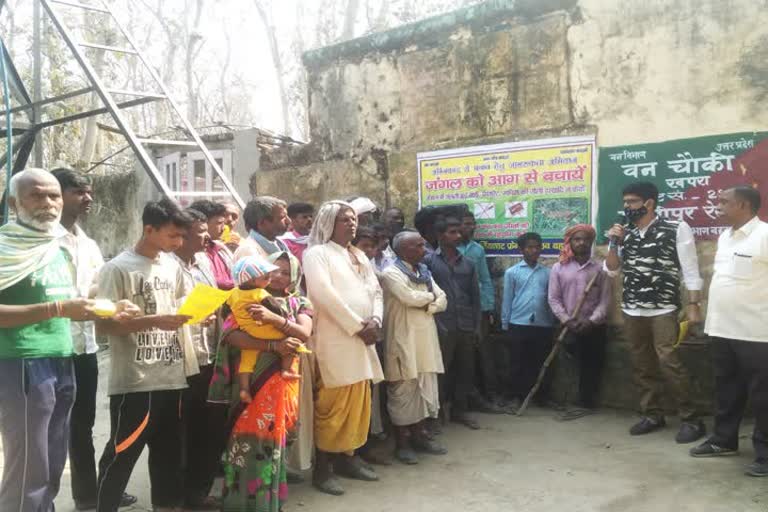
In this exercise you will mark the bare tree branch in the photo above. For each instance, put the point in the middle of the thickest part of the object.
(277, 62)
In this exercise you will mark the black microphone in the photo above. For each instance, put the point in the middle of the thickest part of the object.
(614, 241)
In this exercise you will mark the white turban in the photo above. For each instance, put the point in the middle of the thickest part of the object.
(325, 221)
(363, 205)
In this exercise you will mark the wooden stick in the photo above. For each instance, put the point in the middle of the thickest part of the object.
(556, 347)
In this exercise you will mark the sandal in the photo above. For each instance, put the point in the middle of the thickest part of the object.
(406, 456)
(575, 413)
(330, 485)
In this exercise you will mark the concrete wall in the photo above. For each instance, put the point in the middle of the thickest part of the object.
(626, 71)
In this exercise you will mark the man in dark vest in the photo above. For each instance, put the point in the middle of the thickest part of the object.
(653, 252)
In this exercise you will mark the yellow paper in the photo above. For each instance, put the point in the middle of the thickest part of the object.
(303, 350)
(202, 302)
(683, 331)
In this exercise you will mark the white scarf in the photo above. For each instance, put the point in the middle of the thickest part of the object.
(24, 250)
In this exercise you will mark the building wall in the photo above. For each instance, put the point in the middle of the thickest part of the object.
(626, 71)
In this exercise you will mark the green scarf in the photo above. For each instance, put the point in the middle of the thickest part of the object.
(25, 250)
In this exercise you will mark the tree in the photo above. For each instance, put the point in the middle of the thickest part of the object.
(277, 61)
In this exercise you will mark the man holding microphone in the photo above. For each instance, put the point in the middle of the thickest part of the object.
(653, 252)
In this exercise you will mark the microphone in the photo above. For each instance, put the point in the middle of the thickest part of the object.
(613, 241)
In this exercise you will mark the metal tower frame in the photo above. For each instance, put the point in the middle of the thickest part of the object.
(29, 132)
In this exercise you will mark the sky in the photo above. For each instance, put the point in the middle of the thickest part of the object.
(256, 96)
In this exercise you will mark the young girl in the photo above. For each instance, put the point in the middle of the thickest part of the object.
(252, 275)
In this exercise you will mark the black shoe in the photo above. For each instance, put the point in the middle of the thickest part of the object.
(479, 404)
(330, 485)
(127, 500)
(85, 505)
(647, 425)
(353, 467)
(294, 477)
(428, 446)
(406, 456)
(758, 468)
(464, 419)
(690, 431)
(709, 449)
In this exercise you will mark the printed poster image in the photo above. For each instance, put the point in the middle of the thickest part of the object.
(544, 186)
(689, 173)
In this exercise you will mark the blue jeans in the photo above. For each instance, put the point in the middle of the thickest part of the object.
(36, 396)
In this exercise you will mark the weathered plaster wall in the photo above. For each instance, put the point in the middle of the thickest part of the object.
(627, 71)
(115, 219)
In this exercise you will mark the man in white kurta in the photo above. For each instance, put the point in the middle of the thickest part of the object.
(412, 355)
(342, 285)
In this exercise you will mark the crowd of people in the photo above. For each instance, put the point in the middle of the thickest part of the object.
(343, 326)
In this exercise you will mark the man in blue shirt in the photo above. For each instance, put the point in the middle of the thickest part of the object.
(474, 252)
(527, 318)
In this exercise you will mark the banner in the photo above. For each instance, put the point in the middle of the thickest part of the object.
(542, 185)
(690, 173)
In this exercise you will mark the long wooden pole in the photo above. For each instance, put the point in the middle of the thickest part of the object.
(556, 347)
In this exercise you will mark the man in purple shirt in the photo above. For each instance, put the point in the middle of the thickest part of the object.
(586, 332)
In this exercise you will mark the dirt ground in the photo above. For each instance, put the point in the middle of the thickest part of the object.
(531, 464)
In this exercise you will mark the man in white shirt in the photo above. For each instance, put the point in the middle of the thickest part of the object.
(86, 261)
(654, 252)
(738, 307)
(349, 303)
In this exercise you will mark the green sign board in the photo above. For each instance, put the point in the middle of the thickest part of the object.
(689, 174)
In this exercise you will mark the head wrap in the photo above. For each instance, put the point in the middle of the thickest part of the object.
(322, 227)
(363, 205)
(251, 267)
(566, 253)
(294, 265)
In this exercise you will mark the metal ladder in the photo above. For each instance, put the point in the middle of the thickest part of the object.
(138, 144)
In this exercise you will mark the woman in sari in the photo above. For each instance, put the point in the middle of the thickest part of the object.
(254, 462)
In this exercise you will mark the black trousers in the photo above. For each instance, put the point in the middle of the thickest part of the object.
(588, 348)
(457, 383)
(82, 456)
(486, 360)
(204, 436)
(153, 419)
(741, 371)
(526, 349)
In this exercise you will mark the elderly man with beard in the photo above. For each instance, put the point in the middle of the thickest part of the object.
(342, 282)
(412, 357)
(37, 378)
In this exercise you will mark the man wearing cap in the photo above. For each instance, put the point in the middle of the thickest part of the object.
(587, 332)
